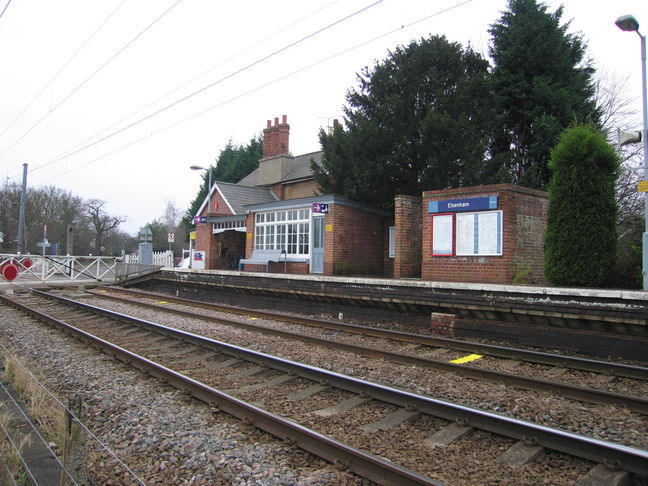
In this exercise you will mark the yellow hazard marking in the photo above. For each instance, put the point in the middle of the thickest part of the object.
(466, 359)
(642, 186)
(162, 302)
(253, 318)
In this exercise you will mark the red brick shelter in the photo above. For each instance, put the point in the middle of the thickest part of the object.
(488, 234)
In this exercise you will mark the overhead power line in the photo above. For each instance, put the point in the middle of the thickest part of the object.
(264, 85)
(177, 88)
(112, 58)
(62, 67)
(210, 85)
(5, 8)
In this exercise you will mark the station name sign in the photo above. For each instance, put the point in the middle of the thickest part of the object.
(468, 204)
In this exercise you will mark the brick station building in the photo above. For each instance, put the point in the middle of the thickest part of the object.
(489, 234)
(278, 206)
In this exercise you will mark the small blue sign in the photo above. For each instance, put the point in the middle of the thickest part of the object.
(469, 204)
(320, 208)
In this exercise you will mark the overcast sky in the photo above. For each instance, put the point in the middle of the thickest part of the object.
(136, 91)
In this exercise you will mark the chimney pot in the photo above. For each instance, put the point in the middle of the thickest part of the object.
(276, 121)
(284, 119)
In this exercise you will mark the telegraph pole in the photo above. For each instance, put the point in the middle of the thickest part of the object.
(21, 214)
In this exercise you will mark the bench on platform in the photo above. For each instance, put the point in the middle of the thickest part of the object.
(263, 257)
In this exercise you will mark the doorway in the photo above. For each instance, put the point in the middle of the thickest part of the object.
(317, 250)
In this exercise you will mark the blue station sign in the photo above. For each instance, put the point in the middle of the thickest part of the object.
(469, 204)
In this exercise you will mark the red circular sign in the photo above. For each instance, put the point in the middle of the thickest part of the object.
(9, 271)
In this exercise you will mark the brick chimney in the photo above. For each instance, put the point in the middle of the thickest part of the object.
(275, 137)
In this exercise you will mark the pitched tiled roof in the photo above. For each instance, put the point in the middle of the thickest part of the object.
(301, 169)
(238, 196)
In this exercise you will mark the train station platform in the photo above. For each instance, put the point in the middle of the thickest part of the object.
(530, 314)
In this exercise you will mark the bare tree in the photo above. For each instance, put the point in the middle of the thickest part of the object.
(172, 216)
(101, 221)
(617, 111)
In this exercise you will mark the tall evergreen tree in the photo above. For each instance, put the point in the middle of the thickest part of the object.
(234, 162)
(419, 120)
(580, 245)
(542, 83)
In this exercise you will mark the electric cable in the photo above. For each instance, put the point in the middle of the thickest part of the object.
(186, 83)
(35, 429)
(62, 68)
(5, 8)
(74, 417)
(269, 83)
(112, 58)
(210, 85)
(22, 459)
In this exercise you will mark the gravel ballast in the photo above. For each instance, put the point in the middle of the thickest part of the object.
(163, 436)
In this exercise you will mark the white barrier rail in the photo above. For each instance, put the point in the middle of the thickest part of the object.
(38, 268)
(160, 258)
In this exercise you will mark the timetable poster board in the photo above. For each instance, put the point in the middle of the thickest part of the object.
(479, 234)
(442, 234)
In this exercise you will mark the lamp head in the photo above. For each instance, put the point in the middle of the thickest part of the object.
(196, 167)
(627, 23)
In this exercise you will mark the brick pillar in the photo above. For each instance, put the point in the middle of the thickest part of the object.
(206, 242)
(408, 220)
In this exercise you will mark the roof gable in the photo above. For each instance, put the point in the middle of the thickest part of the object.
(236, 196)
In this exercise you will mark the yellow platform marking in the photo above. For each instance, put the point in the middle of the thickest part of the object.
(466, 359)
(252, 318)
(162, 302)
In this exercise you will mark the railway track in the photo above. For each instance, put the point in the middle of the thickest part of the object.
(204, 366)
(635, 377)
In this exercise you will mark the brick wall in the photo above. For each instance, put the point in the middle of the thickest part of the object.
(524, 226)
(300, 189)
(354, 241)
(204, 238)
(408, 217)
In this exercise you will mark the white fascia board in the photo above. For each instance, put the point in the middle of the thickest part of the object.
(206, 200)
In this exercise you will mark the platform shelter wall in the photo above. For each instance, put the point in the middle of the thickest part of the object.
(501, 244)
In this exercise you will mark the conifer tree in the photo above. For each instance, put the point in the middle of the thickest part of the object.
(581, 239)
(542, 83)
(419, 120)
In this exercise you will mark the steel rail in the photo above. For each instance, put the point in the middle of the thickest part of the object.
(636, 404)
(583, 364)
(340, 454)
(627, 458)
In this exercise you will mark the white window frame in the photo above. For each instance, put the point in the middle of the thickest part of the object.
(480, 233)
(286, 229)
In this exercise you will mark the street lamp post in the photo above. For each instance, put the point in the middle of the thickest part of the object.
(629, 24)
(198, 167)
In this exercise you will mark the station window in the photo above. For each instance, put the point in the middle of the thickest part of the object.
(288, 230)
